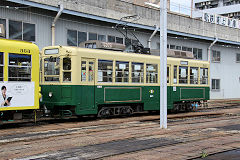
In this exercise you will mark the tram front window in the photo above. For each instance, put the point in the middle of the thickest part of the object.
(19, 67)
(51, 69)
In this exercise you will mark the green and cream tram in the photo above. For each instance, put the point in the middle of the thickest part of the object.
(82, 81)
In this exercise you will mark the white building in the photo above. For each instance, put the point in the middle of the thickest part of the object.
(82, 20)
(228, 8)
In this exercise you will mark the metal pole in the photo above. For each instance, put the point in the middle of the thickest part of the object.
(163, 61)
(163, 64)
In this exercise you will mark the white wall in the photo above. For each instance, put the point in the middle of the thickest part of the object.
(228, 71)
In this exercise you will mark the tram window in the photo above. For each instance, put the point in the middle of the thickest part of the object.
(52, 79)
(122, 71)
(66, 76)
(51, 66)
(175, 75)
(193, 75)
(203, 76)
(83, 71)
(66, 66)
(183, 75)
(1, 66)
(137, 72)
(105, 70)
(152, 73)
(167, 74)
(67, 63)
(19, 68)
(91, 71)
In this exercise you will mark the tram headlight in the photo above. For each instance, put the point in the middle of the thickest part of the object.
(50, 94)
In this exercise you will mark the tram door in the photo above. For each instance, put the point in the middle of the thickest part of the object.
(88, 81)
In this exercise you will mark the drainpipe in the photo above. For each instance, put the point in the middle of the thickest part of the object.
(209, 49)
(149, 40)
(54, 22)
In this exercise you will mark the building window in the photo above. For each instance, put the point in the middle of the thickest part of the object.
(189, 49)
(216, 84)
(172, 46)
(72, 38)
(111, 39)
(28, 32)
(128, 44)
(197, 53)
(102, 38)
(216, 56)
(92, 36)
(3, 21)
(119, 40)
(15, 30)
(184, 48)
(82, 37)
(178, 48)
(21, 31)
(238, 57)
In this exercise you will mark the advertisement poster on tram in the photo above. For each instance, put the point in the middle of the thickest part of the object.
(16, 94)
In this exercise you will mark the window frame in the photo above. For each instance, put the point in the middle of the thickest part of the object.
(156, 76)
(141, 77)
(215, 52)
(215, 86)
(237, 54)
(17, 66)
(22, 29)
(123, 77)
(112, 61)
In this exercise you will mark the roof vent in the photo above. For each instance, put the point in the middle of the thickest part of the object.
(102, 45)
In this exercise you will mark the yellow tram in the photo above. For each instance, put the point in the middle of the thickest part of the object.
(19, 79)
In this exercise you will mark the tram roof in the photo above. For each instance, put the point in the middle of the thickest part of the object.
(93, 53)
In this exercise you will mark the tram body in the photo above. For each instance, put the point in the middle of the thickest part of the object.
(19, 79)
(82, 81)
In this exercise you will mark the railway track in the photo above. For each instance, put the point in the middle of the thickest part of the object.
(110, 133)
(49, 120)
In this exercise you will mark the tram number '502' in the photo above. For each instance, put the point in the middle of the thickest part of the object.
(25, 50)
